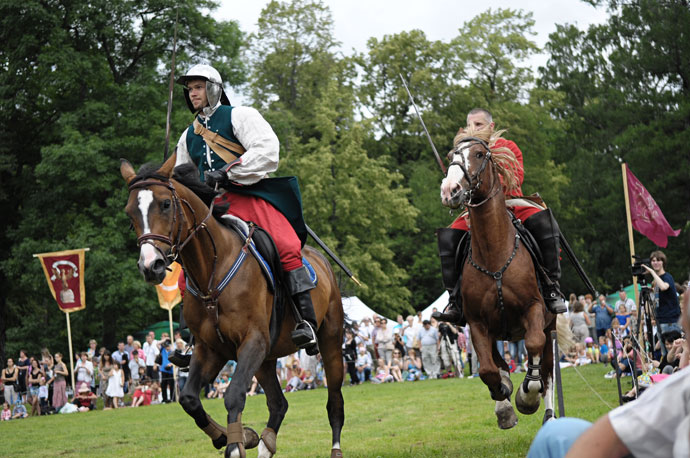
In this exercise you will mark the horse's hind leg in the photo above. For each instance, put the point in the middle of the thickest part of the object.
(527, 396)
(277, 407)
(250, 355)
(330, 339)
(203, 368)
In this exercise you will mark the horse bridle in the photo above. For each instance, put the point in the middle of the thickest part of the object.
(476, 178)
(175, 245)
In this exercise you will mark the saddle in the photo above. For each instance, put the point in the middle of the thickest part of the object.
(263, 248)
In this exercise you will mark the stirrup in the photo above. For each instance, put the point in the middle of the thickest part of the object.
(303, 335)
(554, 303)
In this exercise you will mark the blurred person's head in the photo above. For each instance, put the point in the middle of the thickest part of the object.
(622, 309)
(10, 362)
(578, 307)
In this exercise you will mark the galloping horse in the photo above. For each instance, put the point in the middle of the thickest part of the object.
(230, 323)
(500, 294)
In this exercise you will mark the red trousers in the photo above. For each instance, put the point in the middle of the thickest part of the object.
(255, 209)
(522, 213)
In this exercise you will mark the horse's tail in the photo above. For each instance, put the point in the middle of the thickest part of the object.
(565, 335)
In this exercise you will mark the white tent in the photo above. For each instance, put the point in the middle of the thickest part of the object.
(439, 303)
(355, 309)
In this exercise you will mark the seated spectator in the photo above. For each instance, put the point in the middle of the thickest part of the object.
(85, 399)
(19, 410)
(509, 361)
(155, 393)
(295, 383)
(308, 380)
(6, 414)
(581, 358)
(255, 388)
(363, 363)
(396, 366)
(413, 365)
(142, 395)
(592, 350)
(383, 374)
(604, 356)
(674, 349)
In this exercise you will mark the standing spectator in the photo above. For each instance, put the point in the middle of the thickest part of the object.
(350, 356)
(43, 396)
(59, 383)
(384, 342)
(579, 322)
(137, 348)
(623, 319)
(429, 339)
(166, 370)
(35, 374)
(10, 380)
(602, 315)
(509, 361)
(84, 370)
(363, 364)
(135, 362)
(129, 346)
(151, 351)
(668, 310)
(122, 357)
(92, 351)
(409, 333)
(47, 364)
(116, 382)
(449, 346)
(23, 365)
(105, 370)
(182, 372)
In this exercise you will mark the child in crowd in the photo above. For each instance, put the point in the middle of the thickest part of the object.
(142, 395)
(155, 393)
(591, 350)
(6, 414)
(43, 396)
(603, 350)
(116, 383)
(581, 358)
(84, 400)
(308, 380)
(19, 410)
(509, 361)
(383, 374)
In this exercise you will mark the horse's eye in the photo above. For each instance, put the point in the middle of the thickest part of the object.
(479, 155)
(166, 204)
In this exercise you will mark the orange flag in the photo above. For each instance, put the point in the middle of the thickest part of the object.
(168, 291)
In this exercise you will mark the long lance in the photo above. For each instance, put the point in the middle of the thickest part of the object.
(330, 253)
(170, 91)
(419, 116)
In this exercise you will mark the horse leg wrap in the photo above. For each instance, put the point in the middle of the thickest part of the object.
(236, 435)
(268, 435)
(213, 429)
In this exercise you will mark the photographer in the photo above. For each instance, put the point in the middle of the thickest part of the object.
(668, 309)
(449, 346)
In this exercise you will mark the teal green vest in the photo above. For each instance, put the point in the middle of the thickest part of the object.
(221, 122)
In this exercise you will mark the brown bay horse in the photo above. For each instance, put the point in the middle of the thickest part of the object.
(171, 220)
(500, 294)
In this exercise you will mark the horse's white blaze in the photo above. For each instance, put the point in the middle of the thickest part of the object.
(263, 451)
(455, 174)
(147, 254)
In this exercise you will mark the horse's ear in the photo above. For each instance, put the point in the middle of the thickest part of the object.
(126, 170)
(166, 169)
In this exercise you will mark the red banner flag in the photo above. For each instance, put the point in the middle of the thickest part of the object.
(645, 214)
(64, 271)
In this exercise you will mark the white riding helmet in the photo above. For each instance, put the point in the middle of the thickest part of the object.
(214, 85)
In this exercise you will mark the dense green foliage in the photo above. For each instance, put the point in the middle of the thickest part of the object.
(84, 84)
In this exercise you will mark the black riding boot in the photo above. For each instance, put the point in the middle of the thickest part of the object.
(451, 244)
(182, 358)
(544, 229)
(304, 335)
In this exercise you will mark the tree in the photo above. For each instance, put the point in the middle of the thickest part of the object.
(84, 85)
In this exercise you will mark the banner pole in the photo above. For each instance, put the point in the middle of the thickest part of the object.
(71, 353)
(172, 339)
(631, 242)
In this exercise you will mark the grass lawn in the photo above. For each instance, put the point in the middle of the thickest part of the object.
(451, 417)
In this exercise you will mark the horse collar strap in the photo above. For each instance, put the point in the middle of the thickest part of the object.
(498, 276)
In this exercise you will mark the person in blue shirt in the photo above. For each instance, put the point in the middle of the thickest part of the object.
(602, 315)
(166, 370)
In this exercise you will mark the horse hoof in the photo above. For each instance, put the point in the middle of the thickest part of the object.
(336, 453)
(251, 438)
(235, 451)
(505, 415)
(220, 442)
(548, 416)
(527, 403)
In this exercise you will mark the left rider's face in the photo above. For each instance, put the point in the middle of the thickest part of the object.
(478, 121)
(197, 93)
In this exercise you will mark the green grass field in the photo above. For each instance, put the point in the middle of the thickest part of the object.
(452, 417)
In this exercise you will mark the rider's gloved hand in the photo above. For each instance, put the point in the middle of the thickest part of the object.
(219, 177)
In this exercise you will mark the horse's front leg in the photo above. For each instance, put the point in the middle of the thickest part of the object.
(250, 356)
(277, 408)
(527, 396)
(485, 347)
(204, 367)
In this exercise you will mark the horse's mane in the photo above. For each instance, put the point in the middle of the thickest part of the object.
(188, 175)
(503, 158)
